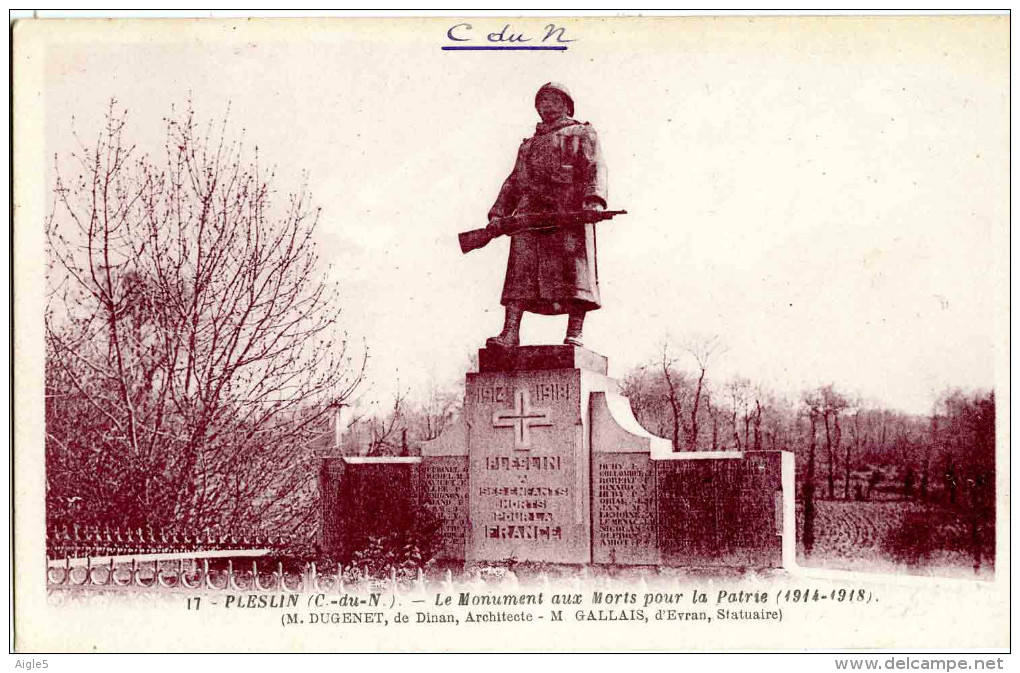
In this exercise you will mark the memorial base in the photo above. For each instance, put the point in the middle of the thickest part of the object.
(548, 464)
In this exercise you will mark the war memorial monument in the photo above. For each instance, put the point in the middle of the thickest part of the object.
(547, 462)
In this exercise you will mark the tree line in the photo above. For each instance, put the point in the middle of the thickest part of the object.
(847, 449)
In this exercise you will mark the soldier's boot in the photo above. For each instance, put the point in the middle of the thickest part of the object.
(575, 324)
(511, 334)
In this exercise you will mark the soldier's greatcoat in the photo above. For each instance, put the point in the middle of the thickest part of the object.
(559, 168)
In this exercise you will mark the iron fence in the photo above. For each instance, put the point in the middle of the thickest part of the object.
(94, 541)
(194, 574)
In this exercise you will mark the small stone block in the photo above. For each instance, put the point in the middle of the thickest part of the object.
(531, 358)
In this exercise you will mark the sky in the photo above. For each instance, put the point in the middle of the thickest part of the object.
(828, 197)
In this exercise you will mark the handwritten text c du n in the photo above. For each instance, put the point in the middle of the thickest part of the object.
(466, 32)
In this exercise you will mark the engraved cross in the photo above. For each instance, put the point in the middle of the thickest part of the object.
(522, 417)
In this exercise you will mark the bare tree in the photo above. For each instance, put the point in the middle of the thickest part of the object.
(776, 416)
(192, 343)
(756, 422)
(701, 350)
(384, 431)
(648, 394)
(713, 413)
(683, 392)
(814, 406)
(405, 422)
(858, 436)
(833, 405)
(436, 412)
(931, 446)
(756, 415)
(738, 388)
(670, 399)
(970, 445)
(676, 393)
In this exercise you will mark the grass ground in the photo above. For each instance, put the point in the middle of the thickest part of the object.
(857, 536)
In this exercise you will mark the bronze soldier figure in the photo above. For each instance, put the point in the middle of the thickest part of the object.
(559, 169)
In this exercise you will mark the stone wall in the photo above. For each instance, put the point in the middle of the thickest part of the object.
(366, 497)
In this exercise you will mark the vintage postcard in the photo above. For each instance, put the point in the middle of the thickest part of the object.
(486, 334)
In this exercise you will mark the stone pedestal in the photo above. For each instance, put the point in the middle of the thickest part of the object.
(529, 446)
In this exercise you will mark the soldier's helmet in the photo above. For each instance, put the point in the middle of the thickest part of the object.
(560, 89)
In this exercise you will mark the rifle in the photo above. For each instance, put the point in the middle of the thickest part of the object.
(516, 224)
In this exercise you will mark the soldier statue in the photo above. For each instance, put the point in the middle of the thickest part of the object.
(559, 170)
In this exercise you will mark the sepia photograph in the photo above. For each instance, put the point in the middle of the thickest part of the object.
(511, 334)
